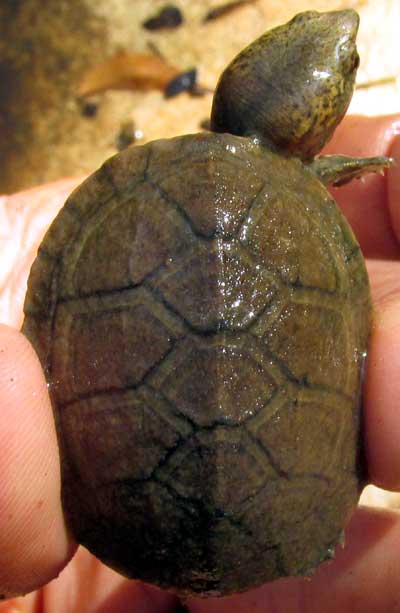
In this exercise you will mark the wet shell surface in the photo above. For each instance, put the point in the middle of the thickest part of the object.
(201, 309)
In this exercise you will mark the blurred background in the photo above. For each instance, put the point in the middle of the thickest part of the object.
(81, 79)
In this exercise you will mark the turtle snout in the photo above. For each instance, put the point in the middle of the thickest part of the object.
(347, 26)
(346, 21)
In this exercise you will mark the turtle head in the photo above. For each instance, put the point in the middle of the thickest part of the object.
(292, 86)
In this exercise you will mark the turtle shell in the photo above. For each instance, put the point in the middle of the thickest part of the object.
(201, 309)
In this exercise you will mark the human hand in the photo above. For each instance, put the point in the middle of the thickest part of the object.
(34, 544)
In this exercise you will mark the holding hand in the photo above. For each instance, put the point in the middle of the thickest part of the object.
(34, 543)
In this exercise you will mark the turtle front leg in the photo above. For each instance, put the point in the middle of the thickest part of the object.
(339, 169)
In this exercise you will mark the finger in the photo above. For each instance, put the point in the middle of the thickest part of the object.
(363, 577)
(33, 541)
(88, 586)
(24, 218)
(393, 193)
(371, 204)
(382, 382)
(373, 539)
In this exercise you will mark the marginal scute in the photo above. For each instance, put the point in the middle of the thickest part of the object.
(311, 501)
(127, 169)
(43, 274)
(81, 204)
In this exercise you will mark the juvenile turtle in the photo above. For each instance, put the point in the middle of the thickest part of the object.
(201, 309)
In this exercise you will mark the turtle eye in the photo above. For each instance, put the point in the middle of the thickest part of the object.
(349, 59)
(356, 62)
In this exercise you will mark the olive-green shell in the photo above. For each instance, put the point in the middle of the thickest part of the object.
(201, 309)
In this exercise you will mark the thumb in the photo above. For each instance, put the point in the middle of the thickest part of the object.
(34, 545)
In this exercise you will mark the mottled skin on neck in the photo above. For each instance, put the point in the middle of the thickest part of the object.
(290, 89)
(292, 86)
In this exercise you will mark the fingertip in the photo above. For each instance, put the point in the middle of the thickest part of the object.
(393, 182)
(371, 204)
(382, 391)
(34, 544)
(362, 136)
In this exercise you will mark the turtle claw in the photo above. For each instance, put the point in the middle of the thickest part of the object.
(340, 169)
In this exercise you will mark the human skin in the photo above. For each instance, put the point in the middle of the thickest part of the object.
(34, 544)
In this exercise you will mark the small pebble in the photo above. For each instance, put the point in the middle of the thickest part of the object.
(126, 135)
(225, 9)
(184, 82)
(205, 124)
(89, 109)
(168, 18)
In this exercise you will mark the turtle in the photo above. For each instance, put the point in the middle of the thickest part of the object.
(202, 310)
